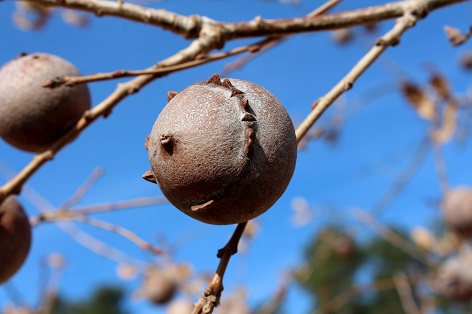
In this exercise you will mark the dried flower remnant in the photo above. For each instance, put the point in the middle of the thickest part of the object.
(455, 36)
(418, 98)
(223, 151)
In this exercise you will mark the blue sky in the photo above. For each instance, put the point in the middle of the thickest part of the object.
(299, 71)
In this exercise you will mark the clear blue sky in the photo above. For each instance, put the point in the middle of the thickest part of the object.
(299, 71)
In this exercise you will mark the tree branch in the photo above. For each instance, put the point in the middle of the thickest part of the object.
(413, 10)
(211, 297)
(189, 26)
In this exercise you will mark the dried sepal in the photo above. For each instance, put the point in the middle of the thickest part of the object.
(419, 100)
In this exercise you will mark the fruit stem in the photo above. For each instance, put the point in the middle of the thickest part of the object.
(211, 297)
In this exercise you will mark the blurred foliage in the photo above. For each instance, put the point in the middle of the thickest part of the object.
(104, 300)
(334, 264)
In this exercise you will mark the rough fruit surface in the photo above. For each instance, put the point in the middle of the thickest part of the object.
(33, 117)
(457, 210)
(15, 237)
(223, 151)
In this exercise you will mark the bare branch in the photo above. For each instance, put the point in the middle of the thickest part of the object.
(389, 39)
(261, 27)
(189, 26)
(406, 295)
(389, 235)
(161, 71)
(121, 231)
(211, 297)
(65, 214)
(83, 189)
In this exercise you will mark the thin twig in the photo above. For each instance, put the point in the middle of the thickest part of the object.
(54, 215)
(93, 244)
(158, 70)
(402, 179)
(391, 38)
(271, 42)
(440, 166)
(389, 235)
(344, 297)
(144, 245)
(406, 295)
(83, 189)
(211, 297)
(191, 26)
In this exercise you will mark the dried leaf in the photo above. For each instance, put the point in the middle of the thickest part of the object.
(455, 36)
(419, 100)
(441, 85)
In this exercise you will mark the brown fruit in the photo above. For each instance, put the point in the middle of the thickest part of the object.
(15, 237)
(33, 117)
(158, 286)
(222, 152)
(454, 278)
(457, 210)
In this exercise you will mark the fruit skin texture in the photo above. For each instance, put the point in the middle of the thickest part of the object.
(223, 151)
(457, 210)
(33, 117)
(15, 237)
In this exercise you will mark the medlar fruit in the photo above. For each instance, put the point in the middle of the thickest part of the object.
(158, 286)
(454, 278)
(457, 210)
(222, 151)
(33, 117)
(15, 237)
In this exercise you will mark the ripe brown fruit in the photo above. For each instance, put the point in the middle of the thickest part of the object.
(15, 237)
(457, 210)
(33, 117)
(454, 278)
(158, 286)
(222, 151)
